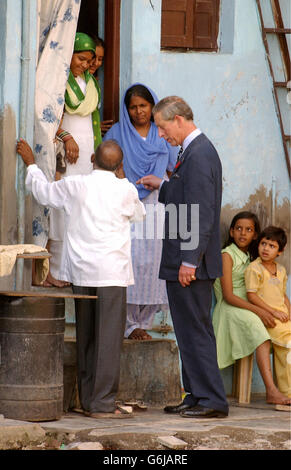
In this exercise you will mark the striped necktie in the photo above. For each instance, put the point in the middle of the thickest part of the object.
(180, 154)
(178, 162)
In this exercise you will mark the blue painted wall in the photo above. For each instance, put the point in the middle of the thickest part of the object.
(230, 93)
(10, 51)
(11, 60)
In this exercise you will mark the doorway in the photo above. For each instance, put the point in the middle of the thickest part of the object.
(88, 23)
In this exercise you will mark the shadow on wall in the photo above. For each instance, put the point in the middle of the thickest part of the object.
(261, 204)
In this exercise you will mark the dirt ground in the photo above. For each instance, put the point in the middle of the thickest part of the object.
(219, 438)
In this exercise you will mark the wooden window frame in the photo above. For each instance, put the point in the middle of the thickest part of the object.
(190, 38)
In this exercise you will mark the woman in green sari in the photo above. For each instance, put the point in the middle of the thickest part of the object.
(80, 128)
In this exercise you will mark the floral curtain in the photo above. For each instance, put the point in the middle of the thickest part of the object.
(57, 27)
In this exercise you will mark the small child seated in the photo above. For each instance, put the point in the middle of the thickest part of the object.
(266, 281)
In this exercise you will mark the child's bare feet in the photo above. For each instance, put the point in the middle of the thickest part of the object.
(277, 398)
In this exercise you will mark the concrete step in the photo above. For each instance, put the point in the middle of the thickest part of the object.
(149, 372)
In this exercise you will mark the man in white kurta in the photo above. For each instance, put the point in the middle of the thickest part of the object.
(96, 259)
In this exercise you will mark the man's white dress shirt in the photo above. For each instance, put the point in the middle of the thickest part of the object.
(98, 210)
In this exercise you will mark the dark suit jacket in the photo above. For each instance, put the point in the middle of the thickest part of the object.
(198, 180)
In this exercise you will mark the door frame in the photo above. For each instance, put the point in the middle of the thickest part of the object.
(112, 62)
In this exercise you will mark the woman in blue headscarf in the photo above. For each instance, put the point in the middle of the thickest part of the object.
(144, 153)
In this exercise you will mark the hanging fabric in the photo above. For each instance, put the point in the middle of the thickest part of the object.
(57, 28)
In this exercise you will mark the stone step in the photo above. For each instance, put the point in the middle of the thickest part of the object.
(149, 372)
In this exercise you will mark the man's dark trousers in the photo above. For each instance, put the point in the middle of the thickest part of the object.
(190, 310)
(100, 326)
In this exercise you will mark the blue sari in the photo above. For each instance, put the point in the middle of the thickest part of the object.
(152, 156)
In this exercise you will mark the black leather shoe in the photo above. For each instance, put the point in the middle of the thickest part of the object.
(177, 408)
(199, 411)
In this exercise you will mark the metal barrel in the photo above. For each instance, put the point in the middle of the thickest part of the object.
(31, 357)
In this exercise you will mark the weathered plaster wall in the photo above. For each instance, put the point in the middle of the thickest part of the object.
(10, 97)
(10, 33)
(8, 233)
(8, 197)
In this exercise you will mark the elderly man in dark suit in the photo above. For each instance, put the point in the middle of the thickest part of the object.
(191, 258)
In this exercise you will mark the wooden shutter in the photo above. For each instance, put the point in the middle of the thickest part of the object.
(190, 24)
(177, 23)
(206, 22)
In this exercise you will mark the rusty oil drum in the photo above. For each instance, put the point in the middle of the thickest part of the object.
(31, 357)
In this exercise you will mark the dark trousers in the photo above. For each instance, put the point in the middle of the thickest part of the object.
(190, 310)
(100, 326)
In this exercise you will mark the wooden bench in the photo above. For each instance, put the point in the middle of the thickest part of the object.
(242, 379)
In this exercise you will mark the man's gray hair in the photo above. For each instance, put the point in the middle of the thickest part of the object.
(108, 155)
(172, 106)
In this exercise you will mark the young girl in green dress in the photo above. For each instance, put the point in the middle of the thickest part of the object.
(241, 327)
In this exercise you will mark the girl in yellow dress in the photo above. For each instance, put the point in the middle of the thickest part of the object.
(266, 287)
(240, 326)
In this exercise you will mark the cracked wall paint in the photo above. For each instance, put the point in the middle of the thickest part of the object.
(260, 202)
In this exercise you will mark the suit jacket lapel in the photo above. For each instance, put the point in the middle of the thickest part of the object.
(185, 154)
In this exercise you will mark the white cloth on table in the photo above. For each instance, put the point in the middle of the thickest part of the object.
(8, 256)
(98, 210)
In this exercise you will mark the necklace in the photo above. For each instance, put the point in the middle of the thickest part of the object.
(273, 272)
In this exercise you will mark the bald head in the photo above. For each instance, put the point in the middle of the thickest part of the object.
(108, 156)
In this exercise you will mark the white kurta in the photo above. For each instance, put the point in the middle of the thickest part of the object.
(98, 210)
(80, 127)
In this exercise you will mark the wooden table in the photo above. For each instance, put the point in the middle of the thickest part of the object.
(32, 293)
(36, 255)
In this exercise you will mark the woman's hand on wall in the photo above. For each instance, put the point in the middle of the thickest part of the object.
(25, 151)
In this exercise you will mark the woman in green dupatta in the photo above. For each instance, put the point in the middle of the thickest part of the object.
(80, 128)
(94, 67)
(80, 131)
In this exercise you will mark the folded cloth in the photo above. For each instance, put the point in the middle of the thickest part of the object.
(8, 254)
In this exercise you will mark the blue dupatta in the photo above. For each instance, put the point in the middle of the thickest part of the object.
(152, 156)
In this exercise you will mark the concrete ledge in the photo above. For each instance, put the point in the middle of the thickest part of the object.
(149, 372)
(16, 434)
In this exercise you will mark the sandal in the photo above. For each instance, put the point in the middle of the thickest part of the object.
(120, 412)
(136, 405)
(283, 407)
